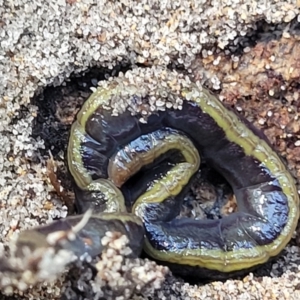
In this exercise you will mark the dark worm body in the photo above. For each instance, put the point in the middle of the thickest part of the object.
(108, 145)
(265, 192)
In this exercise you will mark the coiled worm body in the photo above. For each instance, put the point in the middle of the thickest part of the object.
(133, 120)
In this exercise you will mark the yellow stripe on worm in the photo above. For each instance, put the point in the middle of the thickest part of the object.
(128, 161)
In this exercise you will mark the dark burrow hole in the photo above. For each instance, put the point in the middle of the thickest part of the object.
(57, 107)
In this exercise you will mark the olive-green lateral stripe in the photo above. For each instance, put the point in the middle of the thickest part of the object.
(252, 145)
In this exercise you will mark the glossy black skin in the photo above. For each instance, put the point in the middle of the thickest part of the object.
(87, 240)
(255, 223)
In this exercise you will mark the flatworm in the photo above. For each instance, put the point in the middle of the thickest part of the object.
(128, 123)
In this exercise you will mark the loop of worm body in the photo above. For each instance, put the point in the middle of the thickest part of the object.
(132, 121)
